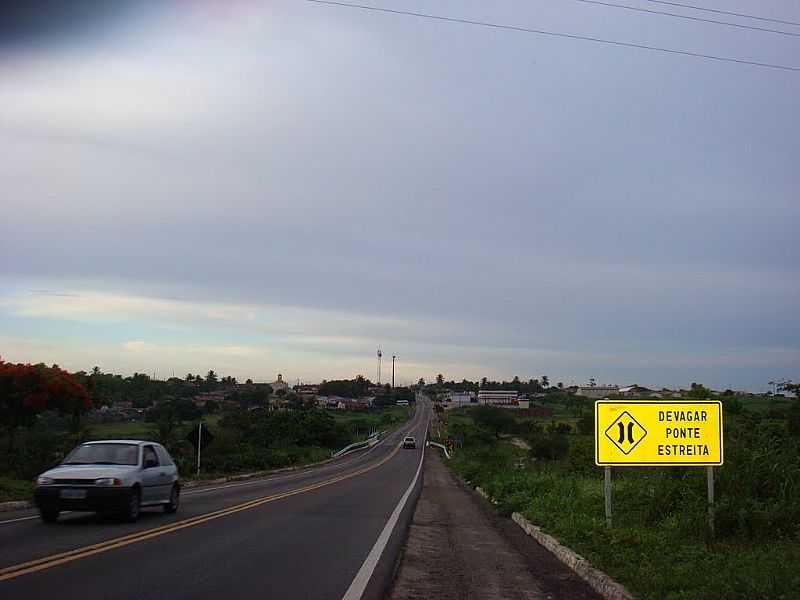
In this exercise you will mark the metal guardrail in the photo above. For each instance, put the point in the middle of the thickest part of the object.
(368, 443)
(442, 446)
(351, 448)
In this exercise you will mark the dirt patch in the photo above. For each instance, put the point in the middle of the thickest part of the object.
(458, 548)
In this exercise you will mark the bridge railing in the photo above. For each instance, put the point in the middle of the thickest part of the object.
(442, 446)
(368, 443)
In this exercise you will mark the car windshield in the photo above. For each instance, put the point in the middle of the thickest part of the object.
(103, 454)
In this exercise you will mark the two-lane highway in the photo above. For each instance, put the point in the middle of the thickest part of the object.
(325, 532)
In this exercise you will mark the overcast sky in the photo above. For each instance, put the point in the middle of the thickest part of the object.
(282, 186)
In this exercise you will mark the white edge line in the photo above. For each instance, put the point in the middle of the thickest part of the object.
(19, 519)
(360, 581)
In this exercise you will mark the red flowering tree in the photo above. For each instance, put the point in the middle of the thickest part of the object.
(26, 390)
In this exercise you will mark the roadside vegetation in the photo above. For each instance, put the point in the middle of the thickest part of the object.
(658, 546)
(43, 415)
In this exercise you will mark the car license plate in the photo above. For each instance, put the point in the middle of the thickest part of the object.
(73, 494)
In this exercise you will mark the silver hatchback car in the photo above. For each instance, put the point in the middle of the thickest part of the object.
(113, 475)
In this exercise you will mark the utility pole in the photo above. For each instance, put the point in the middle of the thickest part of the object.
(380, 354)
(199, 444)
(393, 358)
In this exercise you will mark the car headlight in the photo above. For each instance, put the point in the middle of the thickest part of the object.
(44, 480)
(107, 481)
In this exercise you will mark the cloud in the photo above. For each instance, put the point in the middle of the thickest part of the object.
(135, 346)
(311, 182)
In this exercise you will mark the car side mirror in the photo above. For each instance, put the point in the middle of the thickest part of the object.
(150, 463)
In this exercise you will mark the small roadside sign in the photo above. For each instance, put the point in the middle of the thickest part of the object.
(200, 437)
(654, 433)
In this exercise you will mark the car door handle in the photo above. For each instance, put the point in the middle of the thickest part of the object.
(163, 474)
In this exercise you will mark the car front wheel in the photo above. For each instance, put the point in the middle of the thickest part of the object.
(49, 515)
(174, 499)
(131, 513)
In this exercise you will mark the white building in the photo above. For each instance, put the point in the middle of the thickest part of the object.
(634, 391)
(597, 391)
(460, 398)
(497, 397)
(279, 385)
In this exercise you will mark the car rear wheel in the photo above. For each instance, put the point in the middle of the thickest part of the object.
(174, 499)
(49, 515)
(132, 510)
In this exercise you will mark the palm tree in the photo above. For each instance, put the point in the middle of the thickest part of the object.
(545, 381)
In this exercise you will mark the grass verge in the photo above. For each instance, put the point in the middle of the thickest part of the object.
(657, 546)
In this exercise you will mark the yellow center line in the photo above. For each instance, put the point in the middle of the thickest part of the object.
(53, 560)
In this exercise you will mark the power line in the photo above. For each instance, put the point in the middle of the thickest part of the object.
(725, 12)
(570, 36)
(688, 18)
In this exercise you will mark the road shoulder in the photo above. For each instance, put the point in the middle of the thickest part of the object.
(458, 547)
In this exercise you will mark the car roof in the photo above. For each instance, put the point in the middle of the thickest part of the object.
(136, 442)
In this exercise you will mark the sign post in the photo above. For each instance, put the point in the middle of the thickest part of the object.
(607, 494)
(199, 445)
(644, 433)
(710, 482)
(200, 438)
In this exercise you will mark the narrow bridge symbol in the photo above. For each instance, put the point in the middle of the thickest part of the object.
(626, 432)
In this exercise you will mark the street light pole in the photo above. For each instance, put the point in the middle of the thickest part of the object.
(393, 357)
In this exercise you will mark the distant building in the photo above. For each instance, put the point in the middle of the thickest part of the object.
(634, 391)
(339, 403)
(460, 398)
(218, 396)
(279, 385)
(307, 392)
(497, 397)
(597, 391)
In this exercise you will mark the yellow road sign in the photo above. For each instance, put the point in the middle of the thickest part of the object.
(650, 433)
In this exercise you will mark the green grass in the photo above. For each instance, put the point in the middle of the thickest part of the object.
(137, 430)
(657, 546)
(764, 405)
(386, 419)
(15, 489)
(656, 556)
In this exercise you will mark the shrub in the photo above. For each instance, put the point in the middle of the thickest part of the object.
(549, 446)
(586, 424)
(559, 428)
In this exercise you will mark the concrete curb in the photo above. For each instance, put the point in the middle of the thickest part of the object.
(15, 505)
(597, 580)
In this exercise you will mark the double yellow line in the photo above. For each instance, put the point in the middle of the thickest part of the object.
(54, 560)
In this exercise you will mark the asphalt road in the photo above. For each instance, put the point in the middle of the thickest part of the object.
(328, 532)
